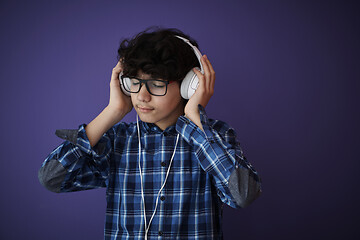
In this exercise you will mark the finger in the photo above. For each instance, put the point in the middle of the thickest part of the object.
(200, 76)
(211, 69)
(207, 72)
(116, 71)
(118, 67)
(205, 65)
(212, 74)
(118, 64)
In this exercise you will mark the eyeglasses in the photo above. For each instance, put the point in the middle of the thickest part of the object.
(154, 87)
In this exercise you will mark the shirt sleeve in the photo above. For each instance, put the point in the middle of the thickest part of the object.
(220, 155)
(75, 165)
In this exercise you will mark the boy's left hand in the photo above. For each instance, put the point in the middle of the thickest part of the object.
(203, 93)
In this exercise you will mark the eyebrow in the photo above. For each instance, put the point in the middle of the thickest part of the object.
(151, 79)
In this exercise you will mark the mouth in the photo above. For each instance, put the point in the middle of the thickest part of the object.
(144, 109)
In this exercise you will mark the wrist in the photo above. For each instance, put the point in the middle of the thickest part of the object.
(102, 123)
(195, 118)
(114, 114)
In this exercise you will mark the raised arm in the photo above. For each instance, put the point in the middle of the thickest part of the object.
(119, 105)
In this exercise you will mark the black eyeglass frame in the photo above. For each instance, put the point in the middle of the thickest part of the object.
(147, 87)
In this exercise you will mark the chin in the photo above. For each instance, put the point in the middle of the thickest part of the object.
(146, 117)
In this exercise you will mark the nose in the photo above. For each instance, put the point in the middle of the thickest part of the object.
(143, 95)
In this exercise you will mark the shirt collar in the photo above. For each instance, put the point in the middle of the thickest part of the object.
(152, 128)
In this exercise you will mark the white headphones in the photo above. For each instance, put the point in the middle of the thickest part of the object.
(188, 85)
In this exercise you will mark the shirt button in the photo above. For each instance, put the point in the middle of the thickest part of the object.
(165, 134)
(160, 233)
(163, 164)
(162, 198)
(187, 121)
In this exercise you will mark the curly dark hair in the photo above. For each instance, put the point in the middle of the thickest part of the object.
(157, 52)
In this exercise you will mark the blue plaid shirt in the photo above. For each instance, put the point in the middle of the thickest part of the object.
(208, 169)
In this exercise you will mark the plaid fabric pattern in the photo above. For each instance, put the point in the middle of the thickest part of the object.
(190, 205)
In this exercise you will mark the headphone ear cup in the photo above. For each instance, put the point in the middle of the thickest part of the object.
(126, 85)
(189, 84)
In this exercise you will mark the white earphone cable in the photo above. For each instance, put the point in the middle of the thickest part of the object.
(141, 180)
(147, 227)
(167, 174)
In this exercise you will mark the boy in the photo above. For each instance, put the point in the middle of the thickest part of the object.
(174, 154)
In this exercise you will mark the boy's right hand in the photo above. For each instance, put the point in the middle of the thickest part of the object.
(119, 105)
(118, 102)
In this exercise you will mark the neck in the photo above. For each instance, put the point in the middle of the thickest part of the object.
(175, 115)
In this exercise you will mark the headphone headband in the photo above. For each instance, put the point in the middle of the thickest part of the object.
(195, 49)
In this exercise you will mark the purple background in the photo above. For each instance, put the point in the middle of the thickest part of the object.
(287, 81)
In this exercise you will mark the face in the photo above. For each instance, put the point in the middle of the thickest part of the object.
(163, 111)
